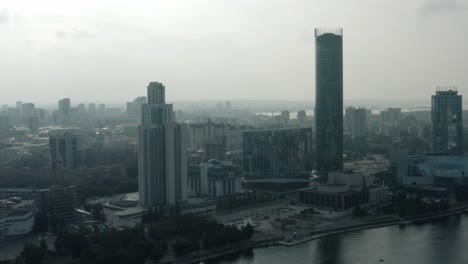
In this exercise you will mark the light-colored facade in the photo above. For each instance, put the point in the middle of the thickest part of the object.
(134, 108)
(424, 170)
(356, 121)
(215, 178)
(16, 217)
(345, 190)
(15, 223)
(162, 152)
(232, 134)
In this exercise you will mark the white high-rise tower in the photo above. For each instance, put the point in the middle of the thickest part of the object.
(162, 155)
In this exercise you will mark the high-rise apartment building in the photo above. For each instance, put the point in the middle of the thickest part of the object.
(101, 111)
(134, 108)
(301, 117)
(329, 98)
(162, 152)
(26, 112)
(284, 118)
(64, 110)
(33, 124)
(4, 122)
(19, 114)
(66, 150)
(447, 121)
(356, 121)
(390, 117)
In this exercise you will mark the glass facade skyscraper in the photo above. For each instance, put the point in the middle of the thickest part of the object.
(278, 154)
(329, 98)
(447, 122)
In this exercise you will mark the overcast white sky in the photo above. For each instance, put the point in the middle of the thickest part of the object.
(108, 50)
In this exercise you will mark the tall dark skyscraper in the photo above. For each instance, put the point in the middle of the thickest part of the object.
(329, 98)
(447, 122)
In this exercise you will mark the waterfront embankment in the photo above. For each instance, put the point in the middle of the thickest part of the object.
(366, 223)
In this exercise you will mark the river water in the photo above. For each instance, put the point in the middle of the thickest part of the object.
(441, 241)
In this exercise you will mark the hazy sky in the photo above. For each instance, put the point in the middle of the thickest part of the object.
(108, 50)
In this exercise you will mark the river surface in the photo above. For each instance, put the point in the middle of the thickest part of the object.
(441, 241)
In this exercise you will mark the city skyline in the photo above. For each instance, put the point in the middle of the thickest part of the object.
(271, 131)
(211, 50)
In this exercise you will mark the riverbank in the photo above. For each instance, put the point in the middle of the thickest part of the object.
(197, 257)
(375, 224)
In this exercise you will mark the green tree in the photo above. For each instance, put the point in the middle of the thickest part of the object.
(359, 212)
(32, 254)
(43, 245)
(182, 247)
(156, 253)
(98, 212)
(76, 244)
(444, 204)
(248, 231)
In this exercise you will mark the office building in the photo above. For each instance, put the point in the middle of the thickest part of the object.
(447, 122)
(329, 98)
(162, 152)
(428, 170)
(215, 178)
(56, 207)
(66, 150)
(344, 191)
(277, 156)
(232, 134)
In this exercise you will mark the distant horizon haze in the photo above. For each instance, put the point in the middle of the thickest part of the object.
(108, 51)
